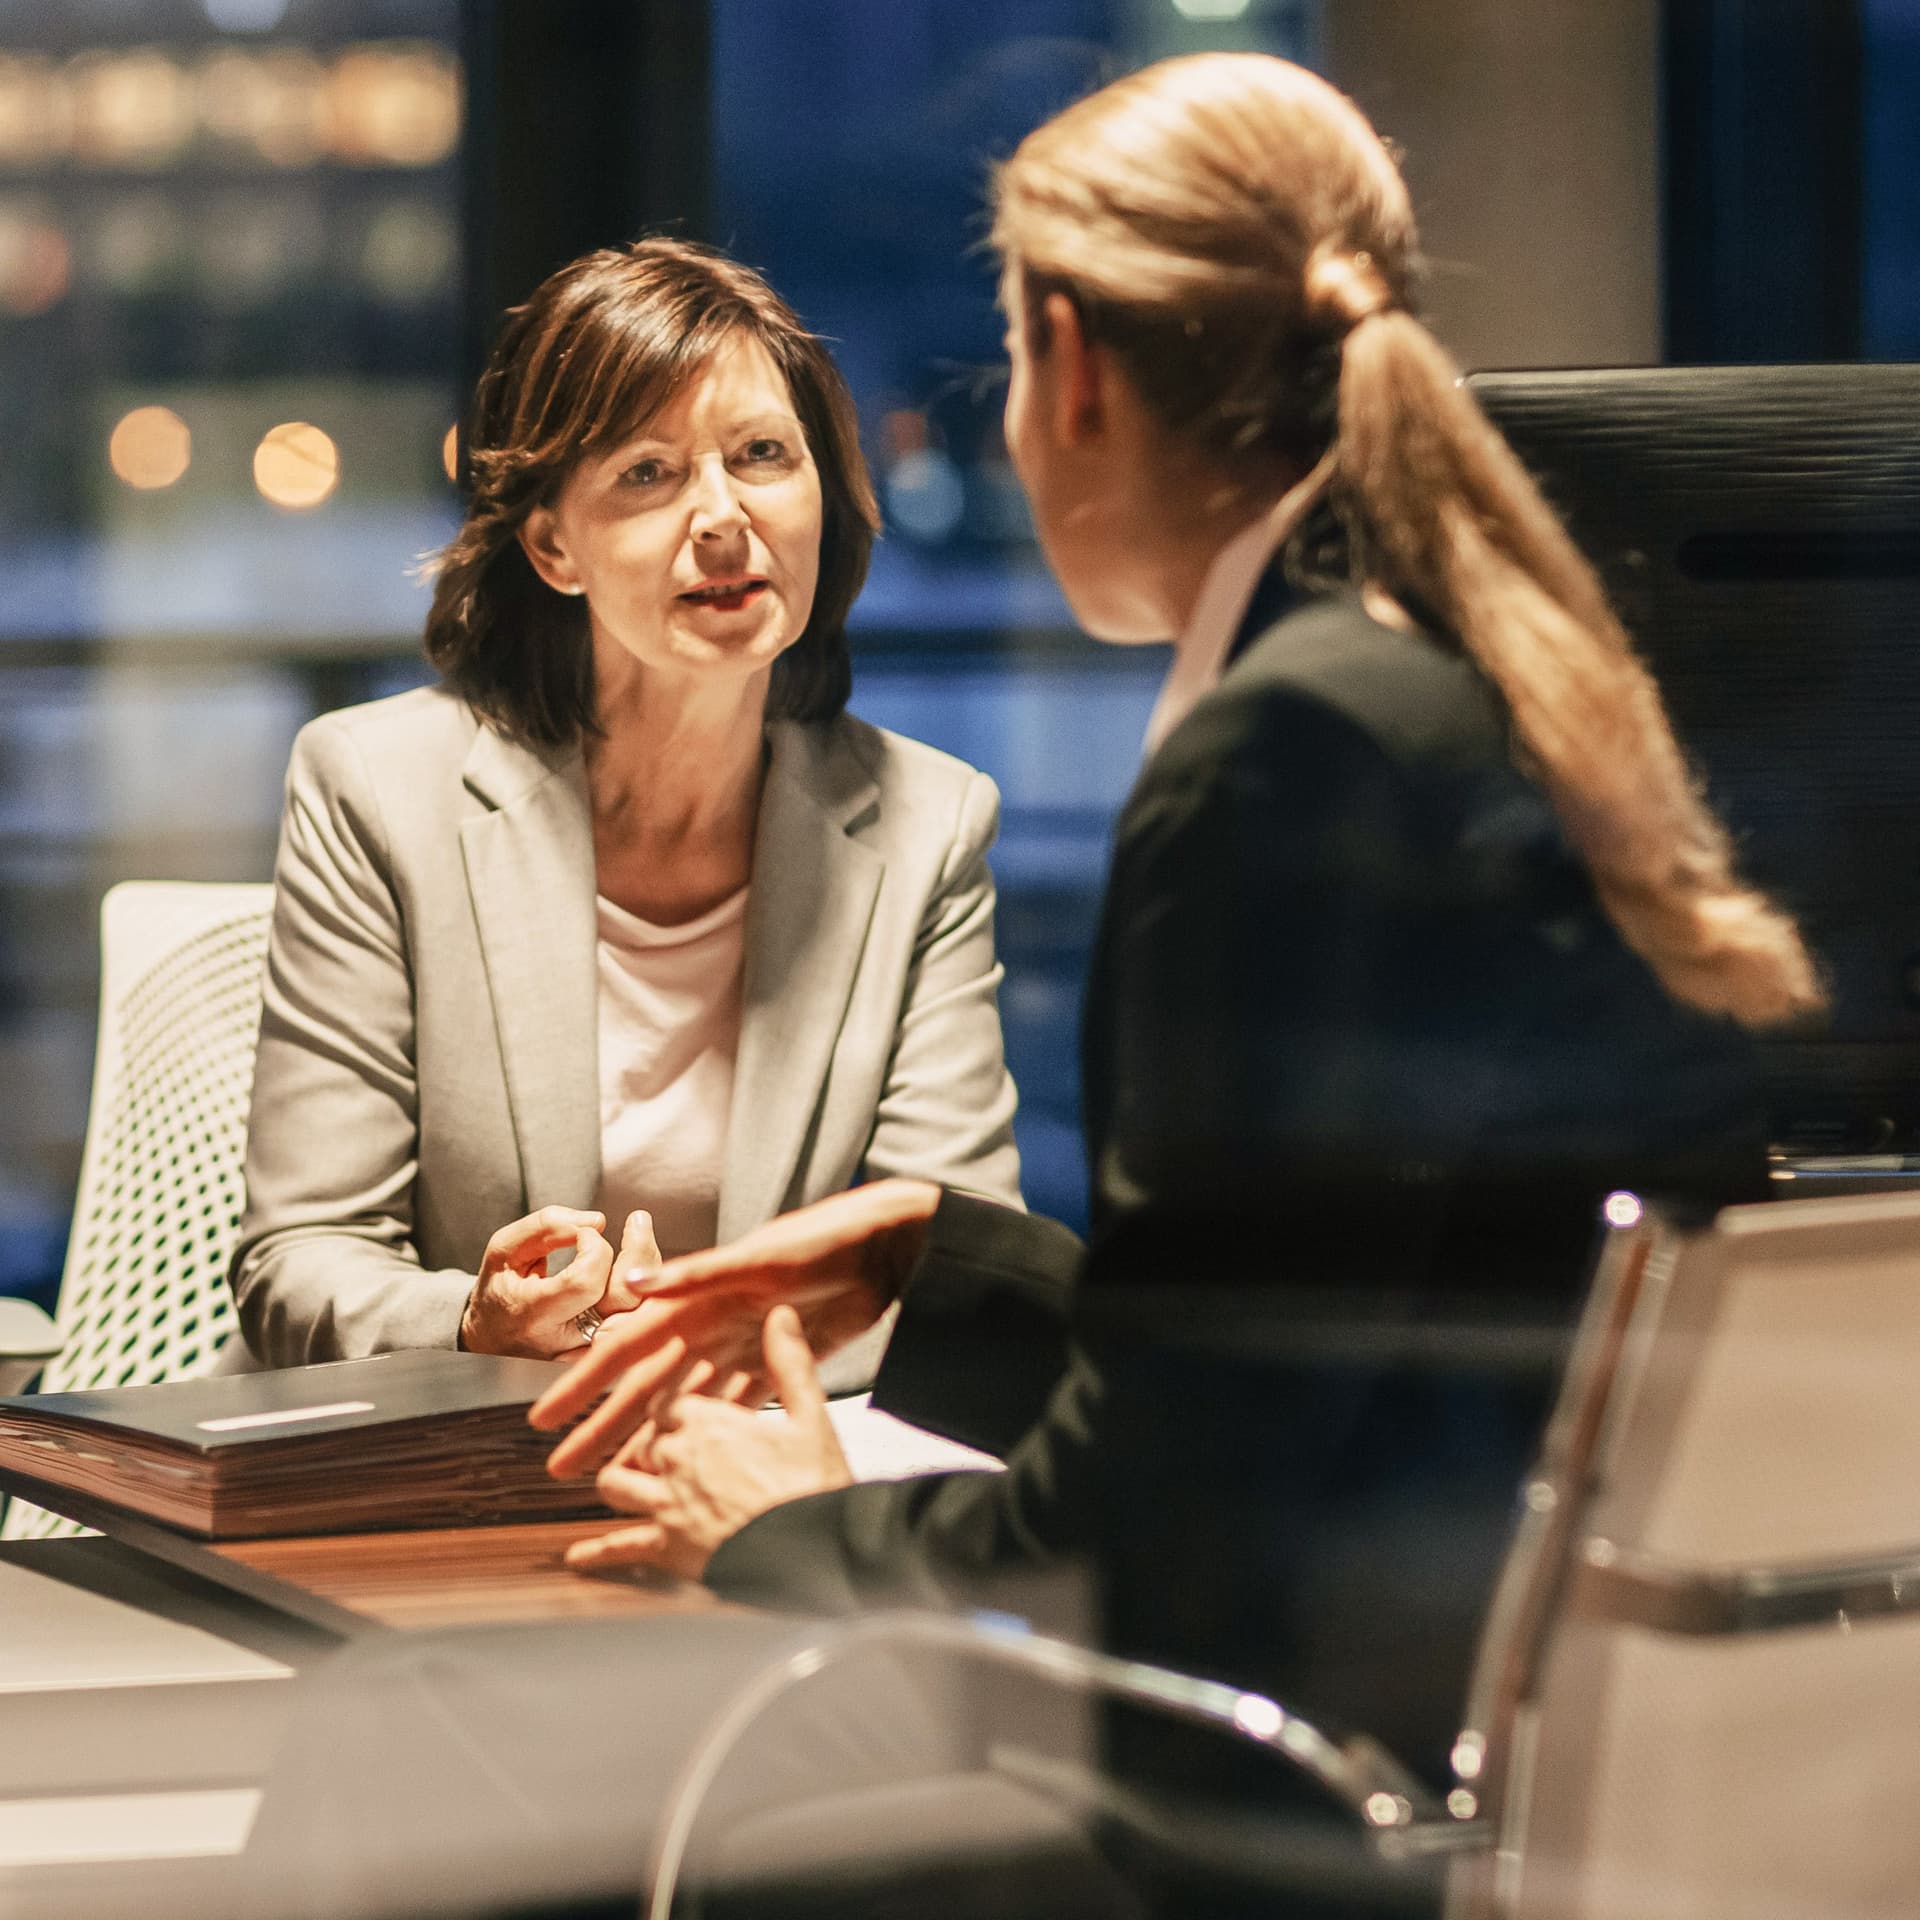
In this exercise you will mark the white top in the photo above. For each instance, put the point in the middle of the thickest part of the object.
(669, 1030)
(1200, 651)
(1226, 592)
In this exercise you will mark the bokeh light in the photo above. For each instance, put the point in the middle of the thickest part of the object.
(245, 16)
(35, 119)
(250, 244)
(36, 263)
(137, 240)
(272, 104)
(1622, 1209)
(409, 253)
(133, 109)
(150, 448)
(296, 466)
(926, 497)
(396, 105)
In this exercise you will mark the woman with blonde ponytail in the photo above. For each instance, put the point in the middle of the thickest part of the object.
(1418, 942)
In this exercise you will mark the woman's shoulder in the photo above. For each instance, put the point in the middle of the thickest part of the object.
(837, 755)
(417, 730)
(1412, 689)
(1328, 671)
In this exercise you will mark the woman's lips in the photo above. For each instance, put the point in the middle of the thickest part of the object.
(728, 597)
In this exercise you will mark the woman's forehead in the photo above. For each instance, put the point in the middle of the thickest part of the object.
(739, 380)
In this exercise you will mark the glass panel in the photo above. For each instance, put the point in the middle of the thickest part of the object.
(852, 145)
(1890, 138)
(229, 308)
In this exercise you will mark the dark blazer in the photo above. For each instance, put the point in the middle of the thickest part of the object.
(1362, 1055)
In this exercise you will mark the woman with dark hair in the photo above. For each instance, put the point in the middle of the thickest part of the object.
(631, 846)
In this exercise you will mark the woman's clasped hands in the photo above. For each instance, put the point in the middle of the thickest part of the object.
(518, 1307)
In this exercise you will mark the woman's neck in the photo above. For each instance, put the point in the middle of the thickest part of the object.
(674, 779)
(1179, 531)
(1220, 513)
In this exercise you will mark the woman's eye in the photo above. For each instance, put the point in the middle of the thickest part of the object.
(762, 452)
(644, 473)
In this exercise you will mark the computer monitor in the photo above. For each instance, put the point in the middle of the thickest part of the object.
(1758, 529)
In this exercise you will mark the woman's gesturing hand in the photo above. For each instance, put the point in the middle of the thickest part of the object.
(708, 1465)
(837, 1263)
(637, 1263)
(517, 1306)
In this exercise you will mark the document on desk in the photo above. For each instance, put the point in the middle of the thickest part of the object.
(429, 1438)
(880, 1447)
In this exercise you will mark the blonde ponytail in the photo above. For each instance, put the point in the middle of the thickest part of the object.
(1233, 228)
(1455, 522)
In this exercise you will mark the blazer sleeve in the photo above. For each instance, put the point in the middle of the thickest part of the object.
(945, 1111)
(1209, 859)
(325, 1268)
(982, 1333)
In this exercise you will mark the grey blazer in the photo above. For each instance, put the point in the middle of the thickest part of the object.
(429, 1043)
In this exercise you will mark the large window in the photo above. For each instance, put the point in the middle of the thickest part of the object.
(229, 314)
(233, 248)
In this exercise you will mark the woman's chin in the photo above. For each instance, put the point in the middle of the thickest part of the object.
(759, 623)
(730, 647)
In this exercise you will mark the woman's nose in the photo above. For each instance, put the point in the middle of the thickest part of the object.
(717, 511)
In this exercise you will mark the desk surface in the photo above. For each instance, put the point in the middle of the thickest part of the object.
(144, 1696)
(347, 1584)
(457, 1576)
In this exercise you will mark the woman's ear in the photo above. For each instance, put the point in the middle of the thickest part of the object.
(541, 540)
(1080, 371)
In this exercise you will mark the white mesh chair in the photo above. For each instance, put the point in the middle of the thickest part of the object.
(1720, 1725)
(144, 1294)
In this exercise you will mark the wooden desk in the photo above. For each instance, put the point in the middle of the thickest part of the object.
(348, 1584)
(452, 1576)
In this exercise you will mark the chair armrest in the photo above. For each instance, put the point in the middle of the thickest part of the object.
(1643, 1590)
(29, 1338)
(1402, 1815)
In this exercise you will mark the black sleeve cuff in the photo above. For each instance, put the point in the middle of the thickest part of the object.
(837, 1553)
(982, 1336)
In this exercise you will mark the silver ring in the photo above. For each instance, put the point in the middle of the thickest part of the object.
(590, 1322)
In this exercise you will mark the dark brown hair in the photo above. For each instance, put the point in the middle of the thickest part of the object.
(580, 366)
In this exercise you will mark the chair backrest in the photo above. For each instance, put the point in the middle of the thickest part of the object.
(1492, 1756)
(144, 1293)
(1766, 1413)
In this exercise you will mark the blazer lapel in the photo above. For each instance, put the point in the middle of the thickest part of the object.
(530, 875)
(812, 897)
